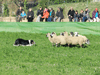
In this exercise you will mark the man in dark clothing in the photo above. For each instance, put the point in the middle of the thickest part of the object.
(59, 15)
(39, 14)
(30, 15)
(81, 15)
(71, 14)
(18, 13)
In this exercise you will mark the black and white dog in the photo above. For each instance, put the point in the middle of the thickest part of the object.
(23, 42)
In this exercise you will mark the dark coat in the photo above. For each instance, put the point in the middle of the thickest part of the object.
(76, 15)
(60, 14)
(40, 12)
(19, 11)
(80, 15)
(93, 14)
(71, 13)
(30, 13)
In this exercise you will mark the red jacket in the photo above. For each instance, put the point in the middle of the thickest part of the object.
(45, 14)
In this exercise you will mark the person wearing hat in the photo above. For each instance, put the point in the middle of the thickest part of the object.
(86, 15)
(95, 15)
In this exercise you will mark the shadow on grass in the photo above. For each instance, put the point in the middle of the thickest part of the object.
(72, 46)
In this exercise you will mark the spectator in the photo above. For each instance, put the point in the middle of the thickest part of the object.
(30, 15)
(71, 14)
(18, 13)
(51, 15)
(76, 16)
(23, 15)
(39, 14)
(86, 15)
(95, 15)
(81, 15)
(45, 14)
(59, 15)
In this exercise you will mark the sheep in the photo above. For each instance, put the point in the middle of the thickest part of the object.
(58, 39)
(86, 40)
(74, 40)
(50, 39)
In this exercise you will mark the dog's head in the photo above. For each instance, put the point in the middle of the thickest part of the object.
(32, 42)
(76, 33)
(71, 34)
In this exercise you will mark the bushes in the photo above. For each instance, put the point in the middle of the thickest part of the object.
(6, 10)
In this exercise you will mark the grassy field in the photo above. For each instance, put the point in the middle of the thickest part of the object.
(43, 59)
(45, 27)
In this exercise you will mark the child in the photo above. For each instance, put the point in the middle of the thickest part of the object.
(23, 15)
(76, 16)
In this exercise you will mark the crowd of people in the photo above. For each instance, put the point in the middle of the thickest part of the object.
(49, 15)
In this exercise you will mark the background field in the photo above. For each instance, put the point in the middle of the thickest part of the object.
(43, 59)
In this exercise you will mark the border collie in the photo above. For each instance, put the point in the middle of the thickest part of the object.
(23, 42)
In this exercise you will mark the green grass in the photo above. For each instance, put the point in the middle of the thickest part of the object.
(45, 27)
(44, 59)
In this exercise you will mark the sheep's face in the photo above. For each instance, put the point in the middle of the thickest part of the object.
(62, 34)
(48, 34)
(66, 33)
(53, 33)
(76, 33)
(71, 34)
(88, 42)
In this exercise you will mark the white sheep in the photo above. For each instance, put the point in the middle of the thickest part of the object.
(74, 40)
(86, 40)
(58, 39)
(49, 37)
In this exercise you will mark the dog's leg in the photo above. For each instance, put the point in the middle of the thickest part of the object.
(15, 45)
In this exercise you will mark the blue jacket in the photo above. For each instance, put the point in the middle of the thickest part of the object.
(23, 14)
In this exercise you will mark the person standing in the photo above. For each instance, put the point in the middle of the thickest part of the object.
(39, 14)
(95, 15)
(71, 14)
(30, 15)
(18, 13)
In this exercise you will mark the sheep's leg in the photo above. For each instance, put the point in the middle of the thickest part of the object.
(56, 44)
(53, 44)
(68, 45)
(59, 45)
(81, 45)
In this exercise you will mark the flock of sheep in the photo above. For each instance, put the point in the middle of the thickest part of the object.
(64, 38)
